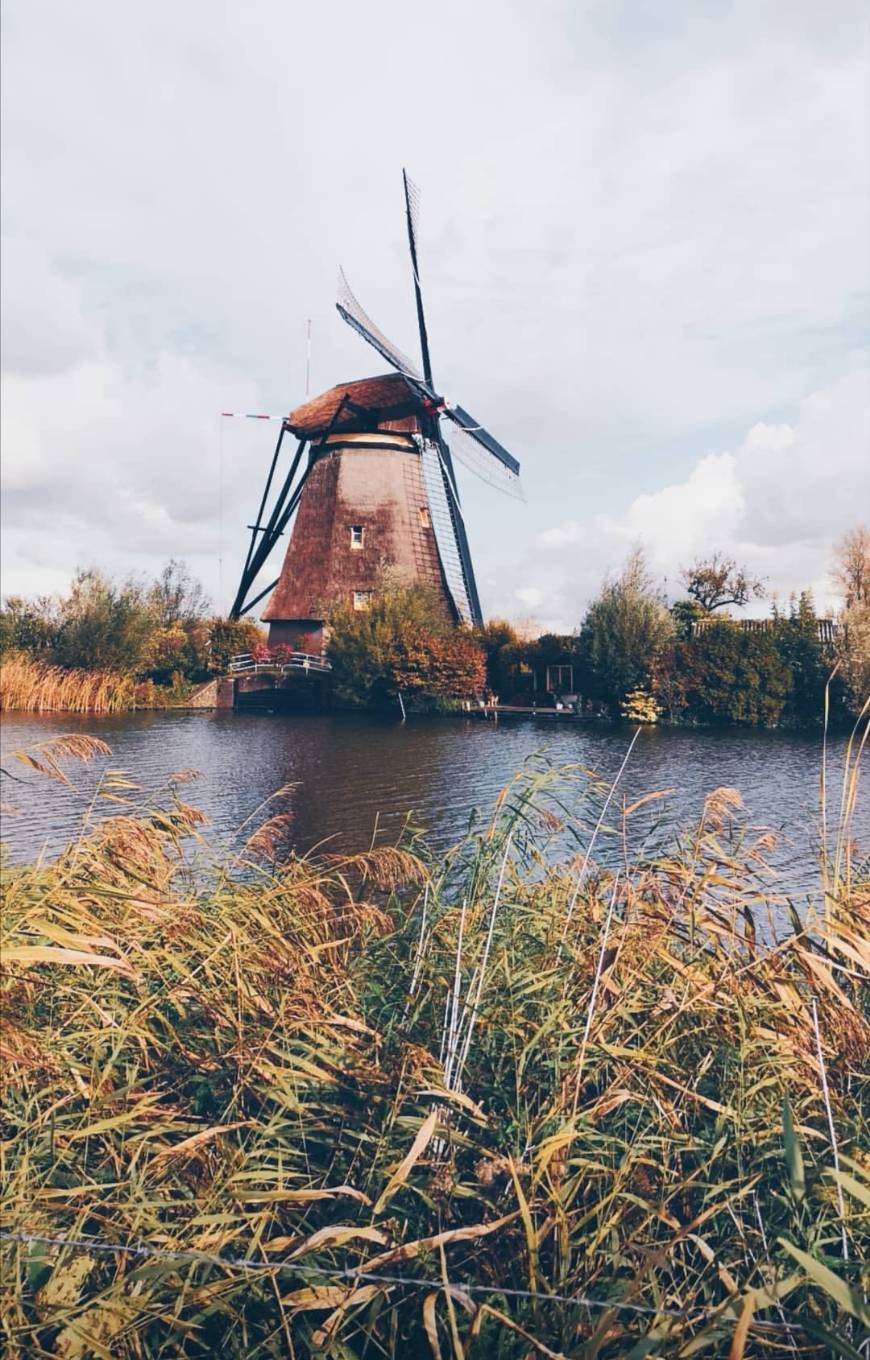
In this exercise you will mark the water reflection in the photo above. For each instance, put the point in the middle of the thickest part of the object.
(353, 776)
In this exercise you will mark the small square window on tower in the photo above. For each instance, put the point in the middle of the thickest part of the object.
(425, 517)
(357, 535)
(361, 599)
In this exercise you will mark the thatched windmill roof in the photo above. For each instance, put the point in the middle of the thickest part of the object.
(368, 404)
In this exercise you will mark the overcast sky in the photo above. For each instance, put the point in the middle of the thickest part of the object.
(645, 256)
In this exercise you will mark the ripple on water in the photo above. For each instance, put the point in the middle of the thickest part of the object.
(348, 771)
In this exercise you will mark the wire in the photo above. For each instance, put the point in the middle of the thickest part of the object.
(221, 511)
(356, 1273)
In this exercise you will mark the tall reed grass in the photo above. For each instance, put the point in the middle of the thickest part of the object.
(388, 1106)
(30, 686)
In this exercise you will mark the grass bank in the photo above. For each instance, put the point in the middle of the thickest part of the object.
(28, 686)
(514, 1101)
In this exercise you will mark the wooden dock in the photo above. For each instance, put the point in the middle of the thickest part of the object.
(492, 712)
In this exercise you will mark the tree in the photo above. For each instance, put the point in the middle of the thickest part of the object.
(797, 641)
(29, 626)
(851, 572)
(227, 638)
(405, 641)
(685, 614)
(104, 626)
(500, 643)
(623, 633)
(177, 596)
(853, 654)
(727, 675)
(718, 581)
(852, 566)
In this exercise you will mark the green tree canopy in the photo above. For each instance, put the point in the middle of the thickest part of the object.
(403, 641)
(623, 633)
(103, 625)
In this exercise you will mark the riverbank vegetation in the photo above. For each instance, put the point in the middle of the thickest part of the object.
(548, 1094)
(34, 687)
(691, 661)
(107, 646)
(403, 643)
(635, 652)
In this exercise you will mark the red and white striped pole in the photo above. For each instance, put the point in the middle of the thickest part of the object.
(247, 415)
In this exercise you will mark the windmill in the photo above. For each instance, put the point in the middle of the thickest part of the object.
(377, 486)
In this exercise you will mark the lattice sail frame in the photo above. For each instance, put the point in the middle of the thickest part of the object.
(470, 454)
(357, 317)
(435, 477)
(463, 447)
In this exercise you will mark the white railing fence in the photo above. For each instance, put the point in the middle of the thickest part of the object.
(244, 663)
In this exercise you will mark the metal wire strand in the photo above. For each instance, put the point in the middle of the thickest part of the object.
(356, 1274)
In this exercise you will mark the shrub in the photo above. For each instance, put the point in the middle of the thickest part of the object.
(404, 641)
(228, 638)
(641, 707)
(727, 675)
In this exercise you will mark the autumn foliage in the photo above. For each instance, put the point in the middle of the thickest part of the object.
(404, 643)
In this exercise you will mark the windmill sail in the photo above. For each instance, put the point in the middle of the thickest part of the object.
(446, 519)
(495, 473)
(412, 214)
(355, 315)
(483, 437)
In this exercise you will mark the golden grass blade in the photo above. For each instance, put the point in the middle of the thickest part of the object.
(407, 1164)
(29, 954)
(336, 1235)
(847, 1298)
(430, 1323)
(196, 1141)
(408, 1250)
(741, 1331)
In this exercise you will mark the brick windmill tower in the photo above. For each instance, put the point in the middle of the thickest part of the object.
(371, 485)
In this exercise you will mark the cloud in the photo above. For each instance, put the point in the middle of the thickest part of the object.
(643, 229)
(776, 503)
(44, 329)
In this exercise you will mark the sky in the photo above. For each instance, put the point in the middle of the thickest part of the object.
(645, 255)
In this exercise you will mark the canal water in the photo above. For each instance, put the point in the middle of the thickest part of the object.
(353, 777)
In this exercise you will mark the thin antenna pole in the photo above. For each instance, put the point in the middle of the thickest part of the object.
(308, 357)
(221, 512)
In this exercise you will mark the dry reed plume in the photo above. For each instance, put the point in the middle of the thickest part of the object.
(373, 1106)
(29, 686)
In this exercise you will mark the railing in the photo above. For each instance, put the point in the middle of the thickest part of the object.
(245, 664)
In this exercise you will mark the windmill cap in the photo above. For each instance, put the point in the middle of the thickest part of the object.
(358, 406)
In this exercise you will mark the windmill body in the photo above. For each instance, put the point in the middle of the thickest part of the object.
(371, 485)
(365, 506)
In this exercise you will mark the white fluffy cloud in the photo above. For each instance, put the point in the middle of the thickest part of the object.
(777, 502)
(644, 228)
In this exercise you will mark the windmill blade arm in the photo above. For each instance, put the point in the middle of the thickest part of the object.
(412, 211)
(466, 450)
(450, 536)
(350, 310)
(467, 423)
